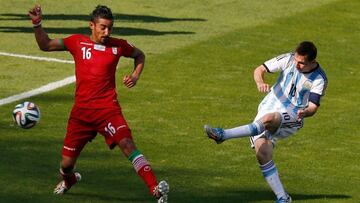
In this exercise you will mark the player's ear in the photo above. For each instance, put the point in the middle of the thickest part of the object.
(91, 25)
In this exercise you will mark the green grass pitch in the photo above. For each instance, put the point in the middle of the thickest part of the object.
(200, 60)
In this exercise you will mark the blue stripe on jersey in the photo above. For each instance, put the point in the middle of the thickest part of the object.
(286, 101)
(283, 99)
(322, 73)
(289, 77)
(298, 77)
(300, 100)
(314, 75)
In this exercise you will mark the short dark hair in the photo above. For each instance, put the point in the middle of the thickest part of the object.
(102, 11)
(308, 49)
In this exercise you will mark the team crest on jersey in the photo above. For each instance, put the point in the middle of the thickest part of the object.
(307, 84)
(114, 50)
(99, 47)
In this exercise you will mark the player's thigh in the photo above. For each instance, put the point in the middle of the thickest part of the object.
(77, 135)
(114, 127)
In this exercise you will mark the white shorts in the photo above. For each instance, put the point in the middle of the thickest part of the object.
(288, 126)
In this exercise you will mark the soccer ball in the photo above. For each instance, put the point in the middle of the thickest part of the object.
(26, 115)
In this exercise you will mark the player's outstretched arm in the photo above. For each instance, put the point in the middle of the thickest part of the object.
(139, 62)
(259, 75)
(42, 39)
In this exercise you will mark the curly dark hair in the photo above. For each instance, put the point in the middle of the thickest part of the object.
(102, 11)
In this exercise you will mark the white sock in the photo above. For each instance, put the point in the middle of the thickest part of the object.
(251, 129)
(272, 178)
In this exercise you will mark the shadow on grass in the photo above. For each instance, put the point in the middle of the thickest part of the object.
(319, 196)
(110, 197)
(117, 16)
(261, 195)
(124, 31)
(109, 177)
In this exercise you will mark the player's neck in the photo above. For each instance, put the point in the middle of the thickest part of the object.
(93, 39)
(313, 67)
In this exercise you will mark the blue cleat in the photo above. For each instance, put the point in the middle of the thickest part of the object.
(216, 134)
(284, 199)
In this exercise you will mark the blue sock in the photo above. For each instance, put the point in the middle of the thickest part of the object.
(271, 176)
(252, 129)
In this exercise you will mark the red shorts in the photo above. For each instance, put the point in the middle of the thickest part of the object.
(84, 124)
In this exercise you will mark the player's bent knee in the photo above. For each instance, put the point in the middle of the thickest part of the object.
(271, 121)
(270, 117)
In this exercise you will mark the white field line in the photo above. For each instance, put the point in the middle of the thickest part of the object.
(42, 89)
(35, 57)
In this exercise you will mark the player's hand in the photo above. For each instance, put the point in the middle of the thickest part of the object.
(35, 14)
(263, 87)
(300, 114)
(130, 81)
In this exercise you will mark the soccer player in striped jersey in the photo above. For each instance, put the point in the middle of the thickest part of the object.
(295, 96)
(96, 108)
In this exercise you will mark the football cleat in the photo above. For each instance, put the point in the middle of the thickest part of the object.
(284, 199)
(160, 192)
(216, 134)
(61, 188)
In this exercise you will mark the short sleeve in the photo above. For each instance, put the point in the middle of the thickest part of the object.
(319, 86)
(70, 43)
(277, 63)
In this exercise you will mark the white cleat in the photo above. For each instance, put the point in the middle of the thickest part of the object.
(161, 192)
(61, 188)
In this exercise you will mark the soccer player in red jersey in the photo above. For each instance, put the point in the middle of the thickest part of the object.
(96, 108)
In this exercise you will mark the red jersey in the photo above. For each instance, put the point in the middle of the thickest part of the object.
(95, 67)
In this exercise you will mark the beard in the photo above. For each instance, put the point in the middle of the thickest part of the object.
(105, 40)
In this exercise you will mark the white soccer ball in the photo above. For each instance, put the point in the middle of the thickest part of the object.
(26, 115)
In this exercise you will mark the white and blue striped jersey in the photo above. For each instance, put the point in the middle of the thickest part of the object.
(293, 88)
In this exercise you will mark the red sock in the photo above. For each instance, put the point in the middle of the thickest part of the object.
(148, 177)
(143, 169)
(70, 179)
